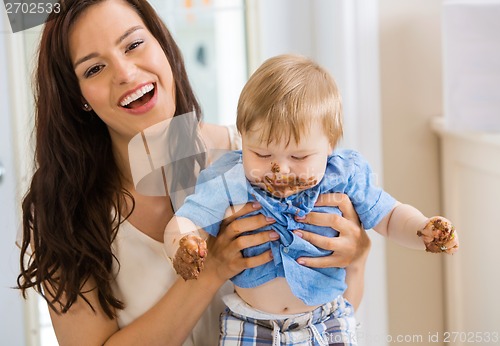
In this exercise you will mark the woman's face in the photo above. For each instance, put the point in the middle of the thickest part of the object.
(123, 73)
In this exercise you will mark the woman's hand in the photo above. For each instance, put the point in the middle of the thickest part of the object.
(224, 251)
(350, 246)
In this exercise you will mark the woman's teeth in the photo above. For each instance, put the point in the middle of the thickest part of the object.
(136, 95)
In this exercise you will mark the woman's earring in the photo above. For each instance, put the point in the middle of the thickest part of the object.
(87, 107)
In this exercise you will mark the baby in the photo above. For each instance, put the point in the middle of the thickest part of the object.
(290, 120)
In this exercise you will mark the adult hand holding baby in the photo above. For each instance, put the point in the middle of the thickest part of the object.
(352, 242)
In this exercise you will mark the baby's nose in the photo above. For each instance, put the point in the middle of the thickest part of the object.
(280, 168)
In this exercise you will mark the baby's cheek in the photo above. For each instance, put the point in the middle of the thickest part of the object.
(254, 175)
(317, 177)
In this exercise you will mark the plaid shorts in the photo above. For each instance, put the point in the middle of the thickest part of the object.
(329, 324)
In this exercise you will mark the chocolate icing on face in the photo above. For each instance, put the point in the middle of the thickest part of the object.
(281, 185)
(275, 168)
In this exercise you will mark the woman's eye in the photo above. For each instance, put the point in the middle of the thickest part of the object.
(134, 45)
(93, 70)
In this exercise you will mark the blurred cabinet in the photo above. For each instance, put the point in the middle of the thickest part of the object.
(471, 188)
(471, 168)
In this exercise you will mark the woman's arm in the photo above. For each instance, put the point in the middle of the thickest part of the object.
(355, 274)
(350, 248)
(172, 319)
(169, 322)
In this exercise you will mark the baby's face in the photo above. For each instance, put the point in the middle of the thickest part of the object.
(284, 170)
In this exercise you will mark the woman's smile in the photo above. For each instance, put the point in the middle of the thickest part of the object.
(139, 100)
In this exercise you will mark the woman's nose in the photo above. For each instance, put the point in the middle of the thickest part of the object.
(124, 71)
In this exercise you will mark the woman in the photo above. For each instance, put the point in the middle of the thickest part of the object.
(107, 70)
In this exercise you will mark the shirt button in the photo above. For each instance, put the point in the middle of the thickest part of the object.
(293, 326)
(285, 249)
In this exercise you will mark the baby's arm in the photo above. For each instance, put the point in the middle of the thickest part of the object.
(409, 227)
(185, 245)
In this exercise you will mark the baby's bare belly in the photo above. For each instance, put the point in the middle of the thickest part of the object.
(274, 297)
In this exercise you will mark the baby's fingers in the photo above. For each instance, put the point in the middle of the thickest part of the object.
(452, 245)
(193, 245)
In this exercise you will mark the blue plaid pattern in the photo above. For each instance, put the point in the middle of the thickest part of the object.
(333, 323)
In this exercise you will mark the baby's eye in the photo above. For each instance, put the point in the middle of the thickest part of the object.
(93, 70)
(300, 158)
(262, 156)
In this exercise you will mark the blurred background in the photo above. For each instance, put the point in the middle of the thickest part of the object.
(419, 80)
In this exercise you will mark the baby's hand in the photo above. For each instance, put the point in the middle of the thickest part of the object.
(439, 235)
(190, 257)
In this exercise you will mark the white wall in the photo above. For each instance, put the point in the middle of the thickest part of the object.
(411, 81)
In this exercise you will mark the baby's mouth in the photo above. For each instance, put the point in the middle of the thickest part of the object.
(284, 185)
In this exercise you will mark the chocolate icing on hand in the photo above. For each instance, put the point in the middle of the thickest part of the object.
(190, 257)
(439, 236)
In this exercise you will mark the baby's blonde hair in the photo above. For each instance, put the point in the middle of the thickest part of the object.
(284, 95)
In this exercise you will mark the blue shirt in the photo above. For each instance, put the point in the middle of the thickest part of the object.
(224, 184)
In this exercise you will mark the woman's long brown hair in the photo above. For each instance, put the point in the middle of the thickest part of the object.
(71, 212)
